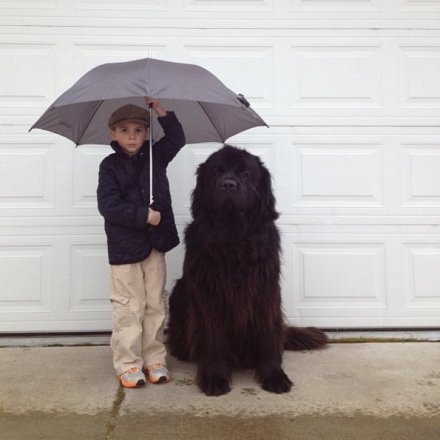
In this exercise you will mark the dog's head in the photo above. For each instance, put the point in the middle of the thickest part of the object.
(233, 185)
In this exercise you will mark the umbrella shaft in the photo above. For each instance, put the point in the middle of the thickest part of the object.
(151, 154)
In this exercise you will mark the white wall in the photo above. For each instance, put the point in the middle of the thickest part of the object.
(351, 92)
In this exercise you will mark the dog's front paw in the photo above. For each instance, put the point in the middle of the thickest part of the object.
(214, 384)
(277, 382)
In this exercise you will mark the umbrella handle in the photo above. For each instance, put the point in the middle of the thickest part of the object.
(150, 107)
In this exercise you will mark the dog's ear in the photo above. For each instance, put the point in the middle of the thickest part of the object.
(198, 194)
(267, 201)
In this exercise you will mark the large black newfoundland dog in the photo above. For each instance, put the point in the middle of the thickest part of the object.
(225, 311)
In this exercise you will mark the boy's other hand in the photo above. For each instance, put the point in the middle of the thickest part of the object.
(153, 217)
(157, 106)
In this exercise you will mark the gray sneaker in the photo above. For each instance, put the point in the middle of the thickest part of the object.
(158, 373)
(132, 378)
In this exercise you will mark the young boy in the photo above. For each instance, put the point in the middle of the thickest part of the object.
(138, 237)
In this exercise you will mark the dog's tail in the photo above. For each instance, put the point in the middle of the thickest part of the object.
(304, 338)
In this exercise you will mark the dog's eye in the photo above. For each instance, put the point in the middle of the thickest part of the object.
(245, 174)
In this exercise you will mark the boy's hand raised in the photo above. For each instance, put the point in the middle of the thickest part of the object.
(157, 106)
(153, 217)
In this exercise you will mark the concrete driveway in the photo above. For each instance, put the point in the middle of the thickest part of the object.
(348, 391)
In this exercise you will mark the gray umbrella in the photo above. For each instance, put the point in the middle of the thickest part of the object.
(206, 108)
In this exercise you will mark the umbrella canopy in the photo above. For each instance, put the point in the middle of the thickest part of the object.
(206, 108)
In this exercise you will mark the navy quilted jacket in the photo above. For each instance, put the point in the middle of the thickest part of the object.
(123, 197)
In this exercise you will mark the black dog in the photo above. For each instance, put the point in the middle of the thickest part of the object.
(225, 311)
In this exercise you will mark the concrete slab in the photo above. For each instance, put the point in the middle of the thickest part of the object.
(378, 380)
(72, 380)
(346, 392)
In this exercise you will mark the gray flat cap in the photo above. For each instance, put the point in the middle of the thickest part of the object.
(129, 112)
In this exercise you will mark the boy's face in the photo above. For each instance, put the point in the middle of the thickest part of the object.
(130, 135)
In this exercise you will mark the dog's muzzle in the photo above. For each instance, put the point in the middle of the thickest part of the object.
(229, 185)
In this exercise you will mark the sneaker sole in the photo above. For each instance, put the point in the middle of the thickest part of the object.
(138, 384)
(162, 379)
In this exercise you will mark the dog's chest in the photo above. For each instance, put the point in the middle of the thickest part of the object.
(236, 256)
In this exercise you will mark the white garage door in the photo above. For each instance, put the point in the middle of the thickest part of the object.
(351, 91)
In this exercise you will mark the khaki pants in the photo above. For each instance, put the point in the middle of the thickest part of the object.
(138, 313)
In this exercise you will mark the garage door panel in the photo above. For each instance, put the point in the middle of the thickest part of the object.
(228, 5)
(33, 68)
(25, 277)
(27, 171)
(89, 285)
(340, 274)
(421, 182)
(419, 65)
(352, 76)
(363, 280)
(414, 6)
(37, 5)
(422, 275)
(334, 272)
(118, 5)
(54, 283)
(337, 174)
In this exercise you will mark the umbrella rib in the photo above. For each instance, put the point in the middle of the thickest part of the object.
(90, 120)
(210, 120)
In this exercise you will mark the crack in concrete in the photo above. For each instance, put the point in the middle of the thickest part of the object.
(114, 413)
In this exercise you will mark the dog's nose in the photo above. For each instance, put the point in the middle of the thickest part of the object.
(229, 185)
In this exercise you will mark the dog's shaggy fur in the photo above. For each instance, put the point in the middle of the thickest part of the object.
(225, 311)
